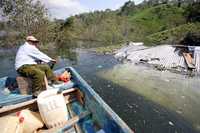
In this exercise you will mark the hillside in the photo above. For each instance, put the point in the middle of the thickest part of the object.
(133, 23)
(173, 35)
(159, 18)
(152, 22)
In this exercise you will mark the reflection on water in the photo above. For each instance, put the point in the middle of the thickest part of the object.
(141, 97)
(7, 65)
(68, 53)
(175, 92)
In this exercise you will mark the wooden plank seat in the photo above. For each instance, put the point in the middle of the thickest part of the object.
(69, 124)
(11, 99)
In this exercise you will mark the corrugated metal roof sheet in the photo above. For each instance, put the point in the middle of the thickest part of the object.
(163, 55)
(126, 50)
(197, 58)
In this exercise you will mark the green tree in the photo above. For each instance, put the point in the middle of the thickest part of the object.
(128, 8)
(27, 17)
(193, 12)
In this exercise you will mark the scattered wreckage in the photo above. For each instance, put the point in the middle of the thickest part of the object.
(177, 58)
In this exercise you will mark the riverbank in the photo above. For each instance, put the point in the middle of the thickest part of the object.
(107, 49)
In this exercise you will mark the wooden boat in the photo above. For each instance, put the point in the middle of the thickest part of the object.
(88, 112)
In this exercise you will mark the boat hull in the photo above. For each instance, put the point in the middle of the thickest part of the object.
(102, 114)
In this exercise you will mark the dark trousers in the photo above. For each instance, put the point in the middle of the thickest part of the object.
(37, 73)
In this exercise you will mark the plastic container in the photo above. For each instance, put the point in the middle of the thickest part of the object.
(52, 108)
(11, 124)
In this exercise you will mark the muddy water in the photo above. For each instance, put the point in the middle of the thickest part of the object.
(177, 93)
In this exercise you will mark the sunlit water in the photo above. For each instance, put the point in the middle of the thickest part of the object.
(148, 101)
(178, 93)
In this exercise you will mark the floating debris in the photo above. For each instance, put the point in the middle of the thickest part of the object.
(167, 80)
(179, 112)
(144, 122)
(183, 97)
(136, 105)
(163, 57)
(108, 85)
(130, 106)
(170, 123)
(99, 66)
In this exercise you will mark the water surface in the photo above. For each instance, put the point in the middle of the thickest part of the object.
(148, 101)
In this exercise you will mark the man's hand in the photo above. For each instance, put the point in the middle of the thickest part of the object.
(53, 61)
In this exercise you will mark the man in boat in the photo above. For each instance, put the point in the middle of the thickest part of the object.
(26, 65)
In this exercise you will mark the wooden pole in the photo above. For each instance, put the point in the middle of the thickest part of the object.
(46, 82)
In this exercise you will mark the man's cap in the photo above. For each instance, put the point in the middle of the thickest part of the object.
(31, 38)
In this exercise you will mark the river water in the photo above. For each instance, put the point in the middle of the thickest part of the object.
(149, 101)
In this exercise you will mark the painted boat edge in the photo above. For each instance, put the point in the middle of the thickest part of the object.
(101, 102)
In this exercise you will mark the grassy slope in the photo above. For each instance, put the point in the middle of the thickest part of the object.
(155, 19)
(163, 23)
(157, 25)
(173, 35)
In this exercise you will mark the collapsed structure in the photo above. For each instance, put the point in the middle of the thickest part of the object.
(180, 58)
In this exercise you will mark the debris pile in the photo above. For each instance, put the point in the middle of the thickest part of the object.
(163, 57)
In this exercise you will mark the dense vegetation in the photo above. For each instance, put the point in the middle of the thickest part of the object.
(152, 22)
(25, 17)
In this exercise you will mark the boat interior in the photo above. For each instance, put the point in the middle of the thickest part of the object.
(88, 113)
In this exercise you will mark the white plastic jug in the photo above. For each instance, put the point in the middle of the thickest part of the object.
(52, 108)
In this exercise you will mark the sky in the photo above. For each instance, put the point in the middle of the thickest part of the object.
(61, 9)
